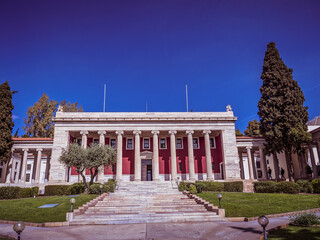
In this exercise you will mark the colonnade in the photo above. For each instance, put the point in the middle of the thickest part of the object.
(155, 159)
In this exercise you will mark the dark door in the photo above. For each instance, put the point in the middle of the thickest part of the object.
(143, 172)
(149, 172)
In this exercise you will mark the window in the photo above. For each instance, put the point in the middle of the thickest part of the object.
(129, 143)
(163, 143)
(112, 167)
(212, 166)
(212, 143)
(28, 167)
(259, 174)
(113, 143)
(96, 141)
(28, 177)
(258, 165)
(179, 143)
(16, 165)
(180, 167)
(196, 143)
(146, 143)
(15, 176)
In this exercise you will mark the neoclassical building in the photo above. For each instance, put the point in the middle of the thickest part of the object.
(153, 147)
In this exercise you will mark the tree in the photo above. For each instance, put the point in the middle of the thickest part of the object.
(282, 115)
(253, 129)
(39, 117)
(93, 158)
(239, 133)
(6, 122)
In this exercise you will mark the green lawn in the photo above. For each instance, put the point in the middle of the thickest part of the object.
(301, 233)
(256, 204)
(27, 209)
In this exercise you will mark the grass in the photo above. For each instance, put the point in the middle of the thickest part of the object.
(301, 233)
(256, 204)
(27, 209)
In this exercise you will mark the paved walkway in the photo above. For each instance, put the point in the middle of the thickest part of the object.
(150, 231)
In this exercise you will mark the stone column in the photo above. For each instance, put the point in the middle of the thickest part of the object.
(173, 154)
(263, 163)
(84, 138)
(208, 154)
(119, 155)
(10, 171)
(46, 178)
(102, 137)
(250, 163)
(155, 160)
(192, 174)
(137, 159)
(313, 162)
(24, 165)
(241, 165)
(38, 168)
(101, 143)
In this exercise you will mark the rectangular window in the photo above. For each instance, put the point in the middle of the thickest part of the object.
(212, 166)
(96, 141)
(16, 165)
(112, 167)
(258, 165)
(15, 176)
(180, 167)
(113, 143)
(212, 143)
(163, 143)
(146, 143)
(28, 167)
(28, 177)
(196, 143)
(179, 143)
(129, 143)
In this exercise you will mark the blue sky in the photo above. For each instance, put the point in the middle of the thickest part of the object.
(147, 51)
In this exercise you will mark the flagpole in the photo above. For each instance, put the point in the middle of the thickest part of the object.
(104, 98)
(187, 97)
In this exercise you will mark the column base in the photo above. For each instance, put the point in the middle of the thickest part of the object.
(137, 180)
(210, 179)
(192, 179)
(156, 180)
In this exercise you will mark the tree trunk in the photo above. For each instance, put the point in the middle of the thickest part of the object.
(93, 176)
(289, 164)
(276, 165)
(84, 182)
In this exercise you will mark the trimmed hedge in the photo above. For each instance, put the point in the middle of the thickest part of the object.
(316, 185)
(76, 188)
(106, 187)
(17, 192)
(210, 186)
(56, 190)
(273, 187)
(305, 186)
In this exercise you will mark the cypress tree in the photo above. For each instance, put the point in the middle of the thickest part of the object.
(6, 123)
(253, 129)
(282, 115)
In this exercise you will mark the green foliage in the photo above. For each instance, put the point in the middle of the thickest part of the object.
(233, 186)
(304, 219)
(76, 188)
(305, 186)
(39, 117)
(282, 115)
(288, 187)
(265, 187)
(6, 123)
(239, 133)
(182, 186)
(106, 187)
(56, 190)
(192, 189)
(316, 185)
(253, 129)
(17, 192)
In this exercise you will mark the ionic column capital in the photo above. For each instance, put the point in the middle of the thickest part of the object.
(155, 132)
(84, 132)
(172, 132)
(119, 132)
(248, 148)
(136, 132)
(206, 132)
(102, 132)
(25, 149)
(39, 149)
(189, 132)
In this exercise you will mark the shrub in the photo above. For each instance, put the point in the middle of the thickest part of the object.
(265, 187)
(76, 188)
(182, 186)
(200, 186)
(9, 192)
(213, 186)
(193, 189)
(305, 186)
(316, 185)
(94, 189)
(288, 187)
(233, 186)
(56, 190)
(106, 187)
(26, 193)
(304, 219)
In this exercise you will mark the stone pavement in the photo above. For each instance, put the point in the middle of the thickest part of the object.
(157, 231)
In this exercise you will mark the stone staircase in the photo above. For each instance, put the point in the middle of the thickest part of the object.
(144, 202)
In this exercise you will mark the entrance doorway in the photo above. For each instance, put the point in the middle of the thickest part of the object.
(146, 170)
